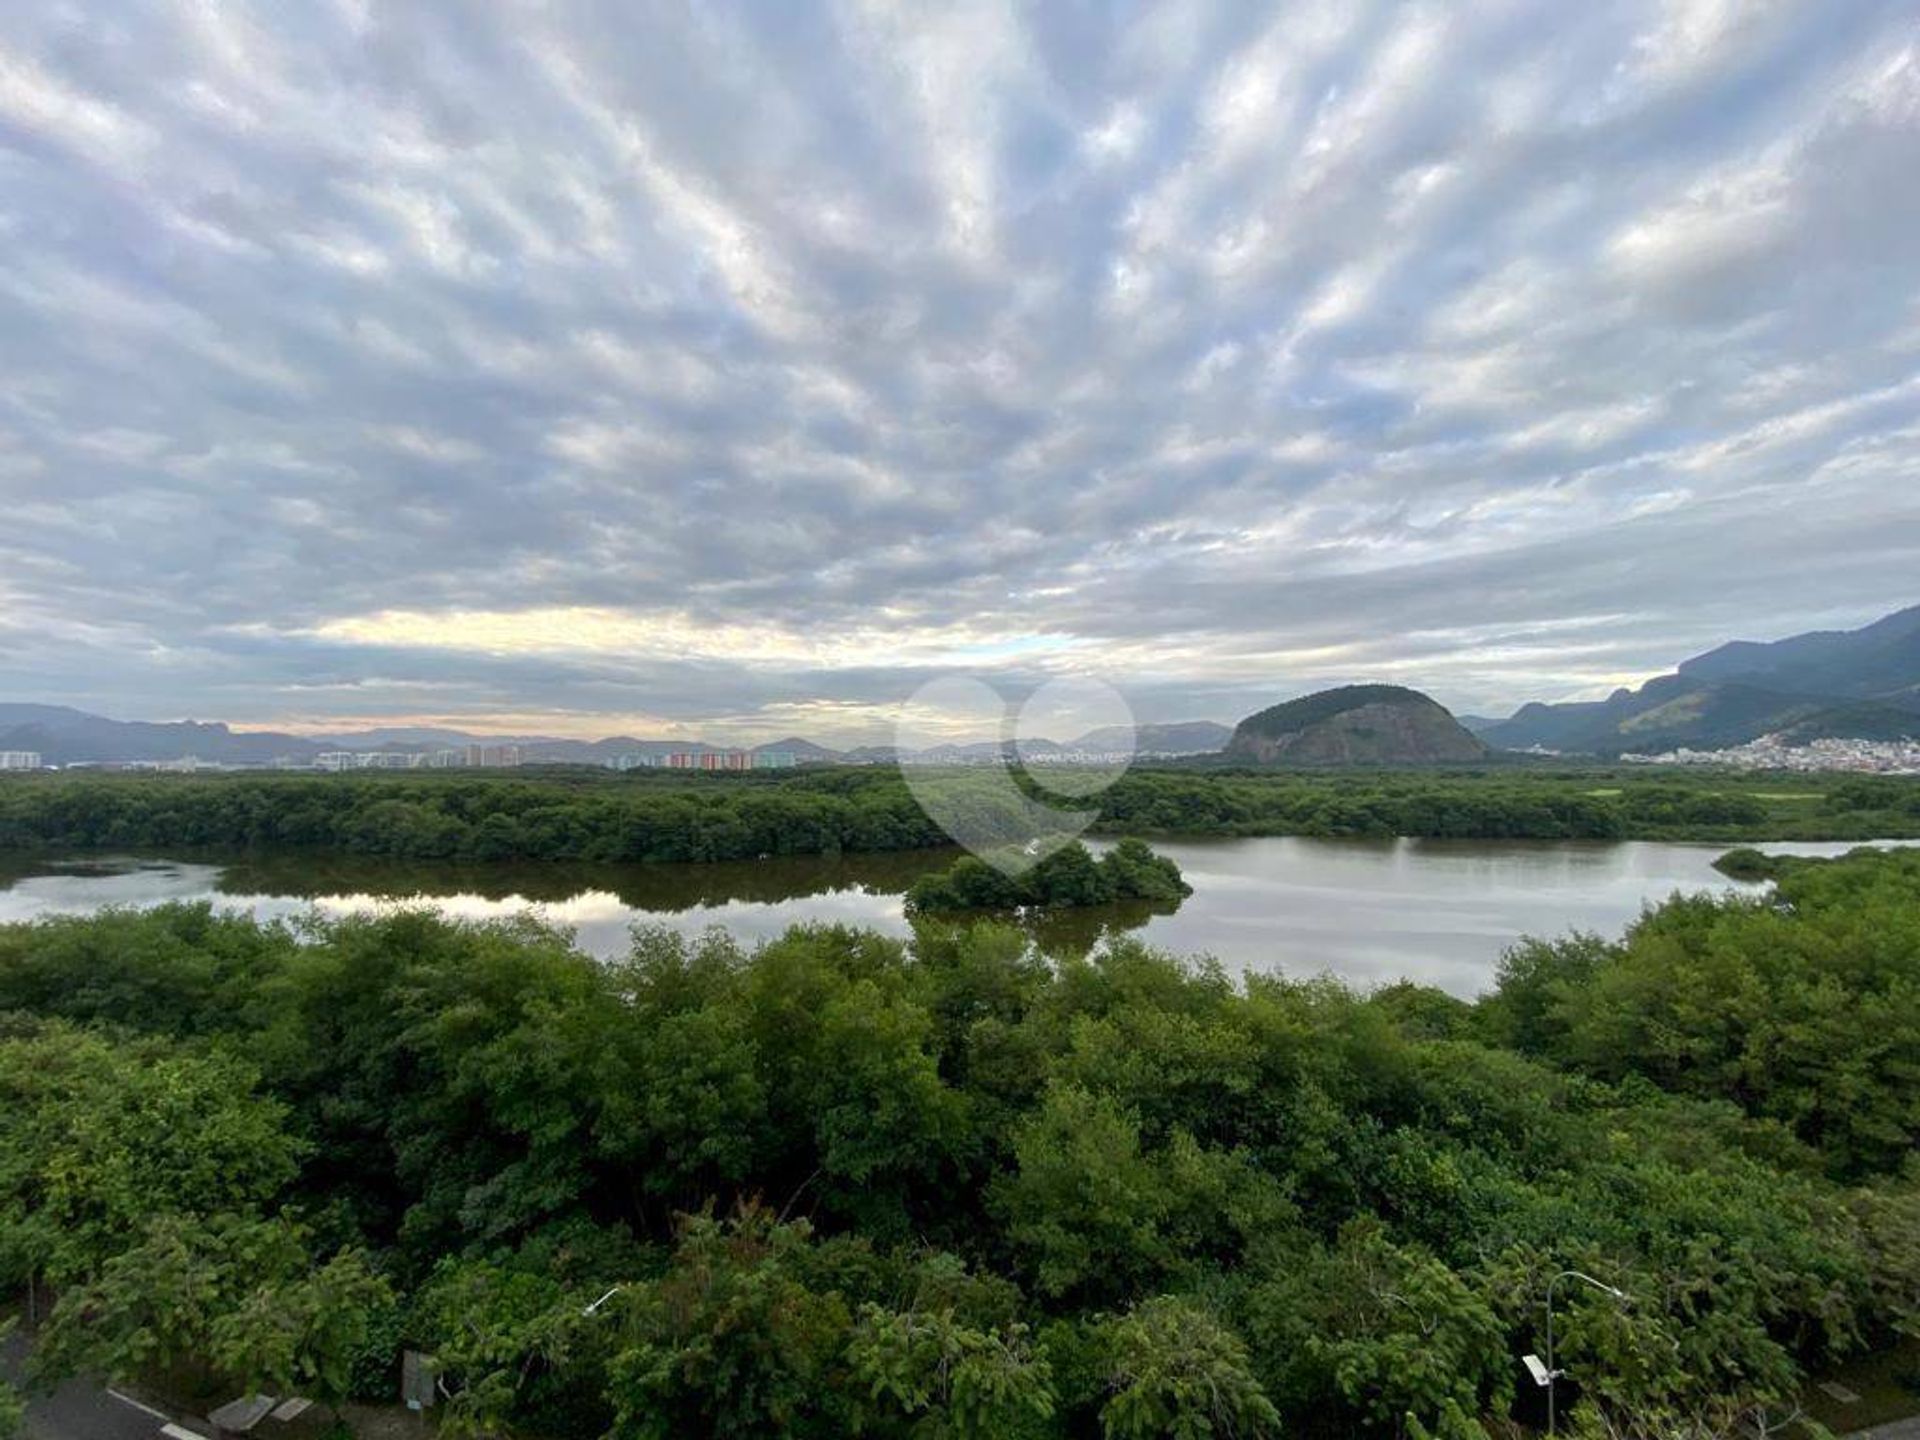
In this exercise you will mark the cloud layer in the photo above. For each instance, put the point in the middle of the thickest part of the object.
(596, 366)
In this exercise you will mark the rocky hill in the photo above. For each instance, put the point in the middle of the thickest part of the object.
(1355, 725)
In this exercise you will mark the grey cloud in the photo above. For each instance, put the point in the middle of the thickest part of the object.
(1511, 351)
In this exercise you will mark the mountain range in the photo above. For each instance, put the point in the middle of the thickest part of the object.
(65, 736)
(1850, 684)
(1843, 684)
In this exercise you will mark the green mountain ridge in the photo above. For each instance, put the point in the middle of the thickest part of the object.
(1858, 684)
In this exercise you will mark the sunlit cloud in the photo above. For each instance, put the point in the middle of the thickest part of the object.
(541, 370)
(679, 636)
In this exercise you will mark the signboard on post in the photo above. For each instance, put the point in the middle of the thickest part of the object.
(419, 1375)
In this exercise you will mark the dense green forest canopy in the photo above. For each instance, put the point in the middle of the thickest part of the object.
(852, 1185)
(595, 816)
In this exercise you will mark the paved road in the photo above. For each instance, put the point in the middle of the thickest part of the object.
(80, 1409)
(1908, 1429)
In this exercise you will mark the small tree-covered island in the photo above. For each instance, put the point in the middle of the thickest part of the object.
(1066, 877)
(841, 1184)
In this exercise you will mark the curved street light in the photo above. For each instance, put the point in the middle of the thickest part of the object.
(1547, 1375)
(594, 1309)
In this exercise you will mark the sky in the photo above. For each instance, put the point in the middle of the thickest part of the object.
(589, 368)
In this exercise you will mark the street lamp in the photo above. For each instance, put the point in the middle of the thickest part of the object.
(594, 1309)
(1546, 1374)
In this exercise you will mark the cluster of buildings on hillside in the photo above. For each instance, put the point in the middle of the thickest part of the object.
(1000, 755)
(706, 760)
(1769, 752)
(459, 757)
(188, 765)
(332, 762)
(508, 757)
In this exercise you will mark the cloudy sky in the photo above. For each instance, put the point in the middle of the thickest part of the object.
(586, 367)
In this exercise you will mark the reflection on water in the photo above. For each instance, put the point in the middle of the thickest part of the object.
(600, 903)
(1440, 912)
(656, 889)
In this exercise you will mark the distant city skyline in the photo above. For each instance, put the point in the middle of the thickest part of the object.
(730, 374)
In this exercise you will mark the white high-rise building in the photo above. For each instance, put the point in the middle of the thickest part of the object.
(19, 760)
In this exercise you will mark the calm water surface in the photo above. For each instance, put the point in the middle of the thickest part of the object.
(1439, 912)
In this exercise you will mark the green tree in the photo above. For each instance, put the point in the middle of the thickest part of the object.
(514, 1348)
(1378, 1331)
(98, 1135)
(1372, 1190)
(732, 1340)
(1084, 1204)
(234, 1299)
(1803, 1007)
(1177, 1372)
(946, 1379)
(304, 1332)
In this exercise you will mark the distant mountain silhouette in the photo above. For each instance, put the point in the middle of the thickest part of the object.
(65, 736)
(1879, 662)
(1853, 684)
(1179, 737)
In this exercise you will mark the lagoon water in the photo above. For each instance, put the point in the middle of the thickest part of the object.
(1371, 912)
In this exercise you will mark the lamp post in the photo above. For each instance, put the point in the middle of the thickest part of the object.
(594, 1309)
(1553, 1374)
